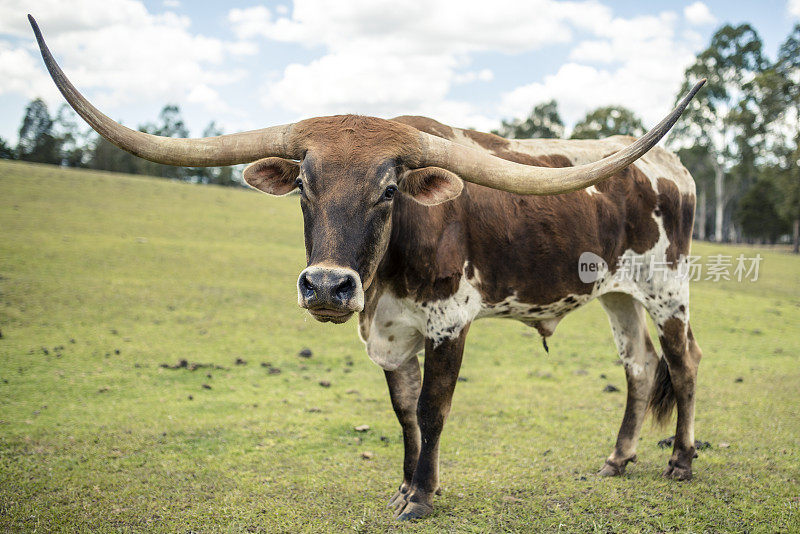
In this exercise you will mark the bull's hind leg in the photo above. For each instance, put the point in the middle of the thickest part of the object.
(629, 325)
(682, 356)
(405, 383)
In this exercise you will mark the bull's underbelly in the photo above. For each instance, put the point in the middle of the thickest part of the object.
(399, 327)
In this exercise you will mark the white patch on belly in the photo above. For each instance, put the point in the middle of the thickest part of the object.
(513, 308)
(447, 317)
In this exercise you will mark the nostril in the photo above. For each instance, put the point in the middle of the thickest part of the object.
(344, 291)
(306, 286)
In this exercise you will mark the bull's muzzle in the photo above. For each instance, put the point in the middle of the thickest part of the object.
(330, 293)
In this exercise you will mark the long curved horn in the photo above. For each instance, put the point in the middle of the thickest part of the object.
(244, 147)
(477, 167)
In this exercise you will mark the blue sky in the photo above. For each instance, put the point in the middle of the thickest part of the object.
(248, 64)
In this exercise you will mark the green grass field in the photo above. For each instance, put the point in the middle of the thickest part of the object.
(105, 277)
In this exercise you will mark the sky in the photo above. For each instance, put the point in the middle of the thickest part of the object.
(249, 64)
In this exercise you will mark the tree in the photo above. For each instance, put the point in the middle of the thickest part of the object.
(105, 156)
(778, 96)
(36, 140)
(789, 186)
(72, 142)
(696, 158)
(543, 122)
(711, 121)
(6, 152)
(172, 124)
(608, 121)
(757, 212)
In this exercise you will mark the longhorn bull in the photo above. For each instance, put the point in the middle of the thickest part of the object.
(421, 229)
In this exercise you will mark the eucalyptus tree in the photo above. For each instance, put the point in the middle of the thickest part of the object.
(778, 96)
(543, 121)
(37, 141)
(608, 121)
(716, 120)
(73, 148)
(757, 211)
(6, 152)
(696, 158)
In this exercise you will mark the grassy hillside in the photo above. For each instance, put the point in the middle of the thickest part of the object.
(104, 278)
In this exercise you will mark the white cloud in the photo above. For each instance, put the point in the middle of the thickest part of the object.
(483, 75)
(116, 51)
(443, 26)
(622, 40)
(335, 82)
(637, 63)
(698, 14)
(208, 97)
(249, 22)
(20, 73)
(793, 7)
(388, 58)
(172, 4)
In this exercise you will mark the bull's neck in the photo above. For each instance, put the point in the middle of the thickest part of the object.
(426, 251)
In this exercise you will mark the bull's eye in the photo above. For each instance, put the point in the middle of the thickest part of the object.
(299, 184)
(390, 192)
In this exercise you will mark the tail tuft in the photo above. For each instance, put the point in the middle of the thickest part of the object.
(662, 397)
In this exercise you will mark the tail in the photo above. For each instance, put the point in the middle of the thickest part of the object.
(662, 397)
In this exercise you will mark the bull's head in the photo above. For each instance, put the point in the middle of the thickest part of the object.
(349, 170)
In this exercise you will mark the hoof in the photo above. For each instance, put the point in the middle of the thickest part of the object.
(401, 496)
(413, 510)
(677, 472)
(680, 465)
(398, 497)
(610, 469)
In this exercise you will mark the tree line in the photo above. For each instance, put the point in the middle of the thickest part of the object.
(739, 137)
(57, 139)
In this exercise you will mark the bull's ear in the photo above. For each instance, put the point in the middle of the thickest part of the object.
(431, 185)
(275, 176)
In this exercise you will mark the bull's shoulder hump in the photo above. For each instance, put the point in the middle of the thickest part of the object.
(427, 125)
(472, 138)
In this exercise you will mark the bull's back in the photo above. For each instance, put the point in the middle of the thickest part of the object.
(532, 244)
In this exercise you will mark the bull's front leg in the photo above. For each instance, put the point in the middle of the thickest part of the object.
(404, 387)
(442, 364)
